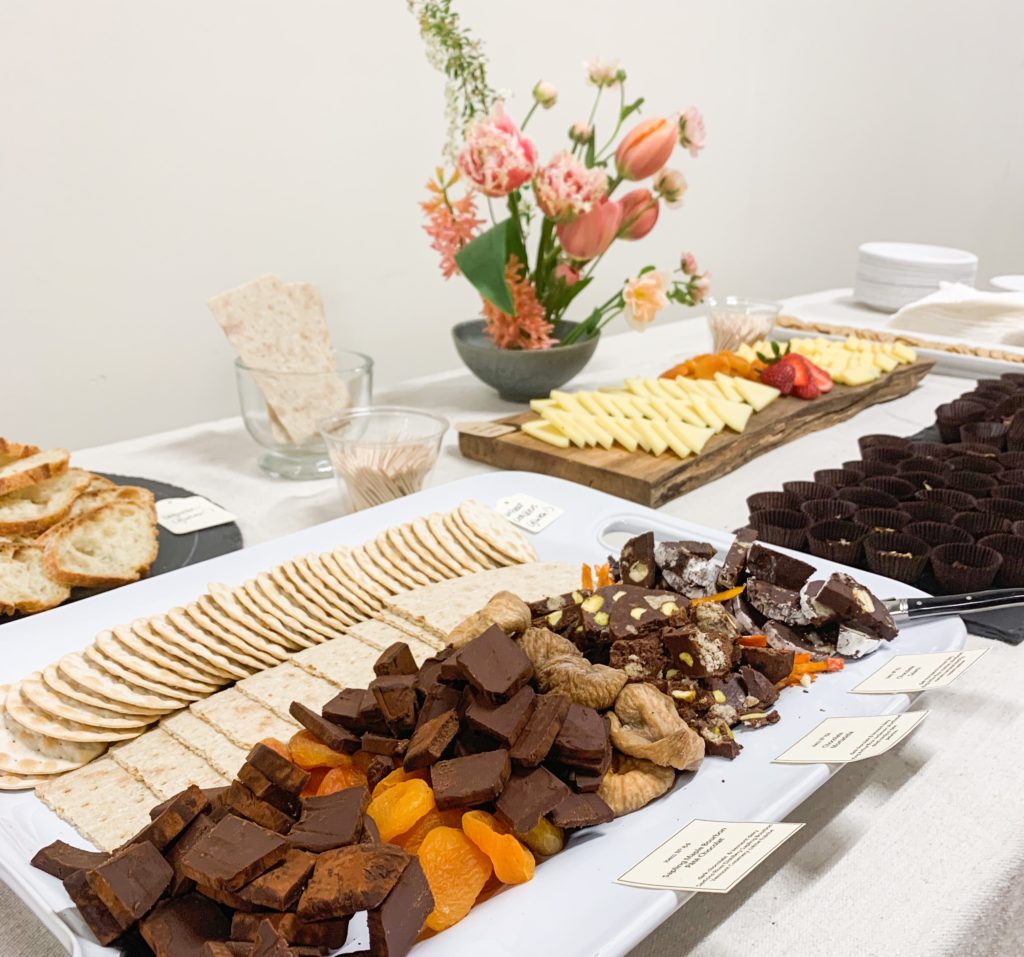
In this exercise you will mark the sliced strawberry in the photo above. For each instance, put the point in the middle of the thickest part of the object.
(801, 368)
(779, 376)
(821, 378)
(809, 390)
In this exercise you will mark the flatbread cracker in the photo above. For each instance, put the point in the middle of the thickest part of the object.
(381, 635)
(130, 640)
(31, 719)
(413, 629)
(224, 608)
(177, 685)
(22, 782)
(278, 687)
(160, 632)
(77, 668)
(497, 531)
(19, 755)
(244, 650)
(345, 662)
(60, 684)
(242, 720)
(199, 736)
(165, 765)
(39, 695)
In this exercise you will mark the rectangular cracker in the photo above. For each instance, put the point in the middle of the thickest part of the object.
(165, 765)
(102, 801)
(411, 630)
(201, 737)
(243, 720)
(277, 688)
(381, 635)
(344, 662)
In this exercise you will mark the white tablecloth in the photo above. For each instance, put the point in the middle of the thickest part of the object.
(917, 853)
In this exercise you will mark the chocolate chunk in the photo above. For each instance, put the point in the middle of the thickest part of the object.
(181, 883)
(269, 943)
(439, 699)
(232, 853)
(527, 797)
(785, 638)
(470, 741)
(474, 779)
(180, 927)
(371, 834)
(178, 814)
(583, 736)
(747, 618)
(380, 767)
(105, 927)
(279, 888)
(326, 732)
(494, 664)
(733, 570)
(343, 709)
(616, 612)
(330, 820)
(62, 860)
(331, 934)
(430, 741)
(130, 881)
(226, 948)
(567, 621)
(718, 739)
(396, 659)
(732, 691)
(212, 795)
(227, 898)
(587, 783)
(396, 698)
(503, 722)
(544, 606)
(351, 879)
(775, 664)
(385, 745)
(245, 804)
(768, 565)
(777, 603)
(265, 789)
(580, 810)
(537, 737)
(643, 659)
(450, 672)
(758, 686)
(395, 924)
(687, 567)
(371, 718)
(636, 563)
(278, 769)
(854, 605)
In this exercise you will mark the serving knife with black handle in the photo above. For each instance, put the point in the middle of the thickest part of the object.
(970, 603)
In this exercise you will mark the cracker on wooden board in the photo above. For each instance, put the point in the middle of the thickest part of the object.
(162, 657)
(159, 630)
(213, 747)
(19, 755)
(245, 649)
(39, 694)
(345, 662)
(101, 801)
(241, 719)
(59, 684)
(33, 720)
(276, 688)
(381, 635)
(164, 764)
(179, 683)
(76, 668)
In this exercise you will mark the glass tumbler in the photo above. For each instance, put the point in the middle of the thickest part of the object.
(735, 321)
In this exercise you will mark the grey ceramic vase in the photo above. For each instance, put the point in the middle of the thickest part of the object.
(520, 375)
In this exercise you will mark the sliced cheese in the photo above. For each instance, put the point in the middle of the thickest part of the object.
(756, 394)
(579, 437)
(676, 444)
(728, 387)
(589, 403)
(537, 404)
(736, 415)
(620, 430)
(711, 418)
(692, 436)
(546, 432)
(655, 443)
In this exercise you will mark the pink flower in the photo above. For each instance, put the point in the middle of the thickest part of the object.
(545, 94)
(691, 130)
(565, 188)
(639, 214)
(567, 274)
(497, 157)
(591, 234)
(645, 296)
(529, 327)
(700, 287)
(581, 132)
(451, 223)
(646, 148)
(688, 263)
(671, 186)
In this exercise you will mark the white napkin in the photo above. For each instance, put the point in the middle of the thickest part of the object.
(960, 312)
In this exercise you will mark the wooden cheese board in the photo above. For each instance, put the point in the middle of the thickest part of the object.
(654, 480)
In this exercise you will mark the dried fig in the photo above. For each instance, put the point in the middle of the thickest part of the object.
(593, 686)
(645, 724)
(509, 612)
(632, 783)
(540, 644)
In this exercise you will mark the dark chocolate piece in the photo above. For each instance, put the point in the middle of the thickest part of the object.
(176, 816)
(527, 797)
(784, 638)
(62, 860)
(371, 834)
(470, 741)
(643, 659)
(775, 664)
(343, 709)
(687, 567)
(105, 927)
(232, 853)
(503, 722)
(228, 898)
(396, 659)
(535, 740)
(580, 810)
(733, 570)
(768, 565)
(213, 795)
(718, 739)
(854, 605)
(380, 767)
(180, 883)
(351, 879)
(245, 804)
(430, 741)
(269, 943)
(180, 927)
(777, 603)
(439, 699)
(331, 934)
(330, 820)
(636, 563)
(396, 698)
(617, 612)
(280, 770)
(384, 744)
(326, 732)
(130, 881)
(265, 789)
(587, 782)
(395, 924)
(226, 948)
(494, 664)
(583, 737)
(758, 686)
(474, 779)
(279, 888)
(450, 672)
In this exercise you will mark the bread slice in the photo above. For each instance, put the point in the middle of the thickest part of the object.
(24, 584)
(98, 482)
(33, 468)
(35, 508)
(88, 501)
(12, 451)
(111, 545)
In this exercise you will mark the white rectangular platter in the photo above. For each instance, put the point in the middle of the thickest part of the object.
(572, 906)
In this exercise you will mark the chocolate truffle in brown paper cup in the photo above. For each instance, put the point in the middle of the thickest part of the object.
(781, 526)
(1012, 461)
(984, 433)
(887, 453)
(939, 533)
(1011, 547)
(1014, 493)
(950, 416)
(975, 463)
(923, 480)
(821, 509)
(961, 501)
(837, 540)
(868, 497)
(866, 442)
(838, 478)
(962, 568)
(891, 485)
(805, 491)
(922, 463)
(935, 450)
(928, 511)
(980, 524)
(1004, 507)
(881, 519)
(760, 501)
(973, 483)
(896, 555)
(875, 467)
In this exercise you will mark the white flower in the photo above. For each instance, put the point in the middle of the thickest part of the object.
(604, 73)
(545, 94)
(581, 132)
(670, 185)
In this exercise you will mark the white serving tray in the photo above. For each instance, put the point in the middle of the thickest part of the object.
(572, 906)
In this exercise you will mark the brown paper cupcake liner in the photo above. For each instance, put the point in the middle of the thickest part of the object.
(822, 509)
(961, 501)
(875, 467)
(1011, 548)
(837, 540)
(975, 448)
(1016, 379)
(839, 478)
(808, 490)
(1013, 493)
(928, 511)
(891, 485)
(922, 463)
(1012, 461)
(887, 453)
(935, 450)
(984, 433)
(781, 526)
(881, 519)
(923, 480)
(973, 483)
(975, 463)
(1012, 477)
(760, 501)
(1018, 528)
(939, 533)
(1010, 406)
(980, 524)
(896, 555)
(950, 416)
(1004, 507)
(864, 497)
(961, 568)
(866, 442)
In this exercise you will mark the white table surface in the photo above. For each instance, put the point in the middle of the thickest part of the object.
(919, 852)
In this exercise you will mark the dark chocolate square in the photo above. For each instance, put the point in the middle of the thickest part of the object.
(396, 659)
(470, 780)
(494, 664)
(537, 737)
(232, 853)
(527, 797)
(330, 820)
(326, 732)
(351, 879)
(504, 721)
(130, 881)
(431, 740)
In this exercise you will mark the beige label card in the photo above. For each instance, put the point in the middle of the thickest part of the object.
(908, 674)
(842, 740)
(708, 856)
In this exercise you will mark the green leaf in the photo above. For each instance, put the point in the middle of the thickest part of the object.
(483, 260)
(630, 108)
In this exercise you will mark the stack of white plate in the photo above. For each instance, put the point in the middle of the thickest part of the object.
(891, 275)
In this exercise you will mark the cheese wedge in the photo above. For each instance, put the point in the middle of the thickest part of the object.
(756, 394)
(657, 445)
(727, 386)
(680, 448)
(736, 415)
(537, 404)
(693, 437)
(579, 436)
(546, 432)
(619, 429)
(711, 418)
(673, 389)
(589, 403)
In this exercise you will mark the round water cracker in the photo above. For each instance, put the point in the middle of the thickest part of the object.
(292, 605)
(271, 611)
(468, 541)
(172, 698)
(76, 668)
(61, 685)
(300, 570)
(240, 598)
(403, 536)
(19, 757)
(350, 575)
(38, 694)
(38, 722)
(328, 605)
(480, 543)
(222, 607)
(368, 557)
(400, 558)
(177, 685)
(497, 531)
(126, 636)
(243, 649)
(325, 568)
(434, 532)
(21, 782)
(160, 631)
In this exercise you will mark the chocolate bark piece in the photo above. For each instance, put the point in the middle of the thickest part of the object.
(265, 789)
(494, 664)
(545, 721)
(643, 659)
(343, 709)
(567, 621)
(62, 860)
(105, 927)
(395, 924)
(627, 611)
(330, 820)
(278, 769)
(855, 605)
(439, 699)
(380, 767)
(544, 606)
(775, 664)
(232, 853)
(580, 810)
(687, 567)
(396, 659)
(130, 881)
(321, 933)
(587, 782)
(583, 737)
(177, 815)
(269, 943)
(734, 565)
(326, 732)
(503, 722)
(777, 603)
(747, 618)
(718, 739)
(396, 698)
(245, 804)
(636, 562)
(280, 887)
(696, 654)
(227, 898)
(212, 796)
(474, 779)
(730, 696)
(180, 927)
(527, 797)
(766, 564)
(430, 741)
(351, 879)
(784, 638)
(384, 744)
(758, 686)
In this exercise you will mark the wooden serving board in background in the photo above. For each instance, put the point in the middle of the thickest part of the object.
(653, 480)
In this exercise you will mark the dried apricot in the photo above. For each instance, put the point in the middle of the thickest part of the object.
(308, 752)
(411, 840)
(544, 838)
(339, 778)
(279, 746)
(456, 870)
(312, 786)
(398, 776)
(512, 862)
(400, 807)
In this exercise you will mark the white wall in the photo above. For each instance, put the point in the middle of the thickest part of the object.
(153, 153)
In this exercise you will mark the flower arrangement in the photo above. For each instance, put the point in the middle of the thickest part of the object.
(569, 205)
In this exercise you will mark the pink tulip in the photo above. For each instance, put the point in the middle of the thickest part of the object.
(497, 158)
(639, 214)
(646, 148)
(567, 274)
(589, 235)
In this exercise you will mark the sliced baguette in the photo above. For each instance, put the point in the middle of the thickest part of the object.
(98, 482)
(24, 583)
(111, 545)
(12, 451)
(33, 469)
(88, 501)
(34, 509)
